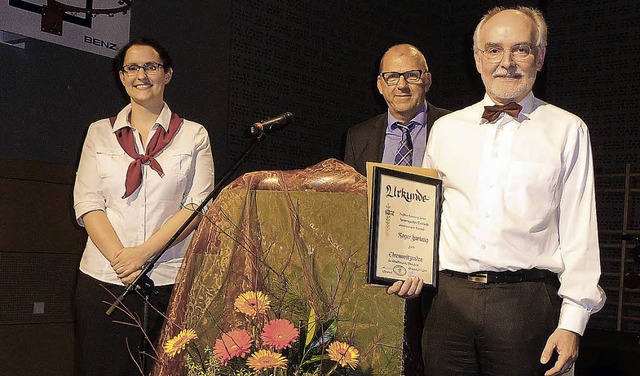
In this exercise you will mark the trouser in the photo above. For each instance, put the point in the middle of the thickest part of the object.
(108, 345)
(489, 329)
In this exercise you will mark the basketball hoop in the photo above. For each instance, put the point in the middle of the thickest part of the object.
(53, 13)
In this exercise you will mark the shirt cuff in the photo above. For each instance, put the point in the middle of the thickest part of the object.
(573, 317)
(83, 208)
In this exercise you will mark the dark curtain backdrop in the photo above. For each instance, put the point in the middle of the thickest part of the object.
(241, 61)
(237, 62)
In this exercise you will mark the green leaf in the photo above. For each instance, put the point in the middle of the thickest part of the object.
(311, 327)
(324, 337)
(330, 333)
(316, 359)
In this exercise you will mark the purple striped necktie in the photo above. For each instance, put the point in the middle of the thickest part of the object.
(404, 154)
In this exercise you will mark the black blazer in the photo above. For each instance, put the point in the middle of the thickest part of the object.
(365, 141)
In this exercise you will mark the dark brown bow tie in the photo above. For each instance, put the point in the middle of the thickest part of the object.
(491, 113)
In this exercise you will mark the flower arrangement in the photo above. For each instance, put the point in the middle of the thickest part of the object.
(267, 345)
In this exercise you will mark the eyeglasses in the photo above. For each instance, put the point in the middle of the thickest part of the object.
(411, 76)
(519, 52)
(149, 68)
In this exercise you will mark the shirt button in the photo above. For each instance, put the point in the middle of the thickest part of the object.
(483, 246)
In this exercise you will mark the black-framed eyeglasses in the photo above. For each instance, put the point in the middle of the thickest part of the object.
(519, 52)
(150, 68)
(411, 76)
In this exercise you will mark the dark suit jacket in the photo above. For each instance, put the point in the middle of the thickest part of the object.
(365, 141)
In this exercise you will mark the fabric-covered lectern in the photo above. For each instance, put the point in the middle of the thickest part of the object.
(299, 238)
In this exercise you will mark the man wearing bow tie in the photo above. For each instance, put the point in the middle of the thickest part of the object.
(518, 254)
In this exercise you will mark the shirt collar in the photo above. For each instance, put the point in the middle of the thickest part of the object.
(420, 118)
(122, 120)
(527, 107)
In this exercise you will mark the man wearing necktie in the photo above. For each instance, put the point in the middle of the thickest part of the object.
(398, 136)
(518, 253)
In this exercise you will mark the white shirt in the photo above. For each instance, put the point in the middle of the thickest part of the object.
(188, 178)
(519, 194)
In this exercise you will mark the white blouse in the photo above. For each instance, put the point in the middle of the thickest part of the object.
(187, 163)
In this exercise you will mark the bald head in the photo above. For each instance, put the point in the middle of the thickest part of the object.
(404, 51)
(404, 98)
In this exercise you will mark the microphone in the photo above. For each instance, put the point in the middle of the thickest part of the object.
(272, 124)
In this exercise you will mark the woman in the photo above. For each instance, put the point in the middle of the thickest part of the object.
(141, 174)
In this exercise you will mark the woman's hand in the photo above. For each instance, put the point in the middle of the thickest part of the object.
(129, 260)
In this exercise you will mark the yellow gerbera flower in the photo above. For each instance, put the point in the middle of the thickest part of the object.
(265, 359)
(344, 354)
(176, 344)
(252, 303)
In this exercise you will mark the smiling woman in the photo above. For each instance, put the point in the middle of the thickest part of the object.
(144, 77)
(140, 174)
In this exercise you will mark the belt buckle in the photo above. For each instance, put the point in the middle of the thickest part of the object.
(478, 277)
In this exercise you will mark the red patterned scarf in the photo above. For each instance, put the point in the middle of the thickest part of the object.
(159, 140)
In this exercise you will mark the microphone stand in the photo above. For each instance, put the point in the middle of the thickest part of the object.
(142, 281)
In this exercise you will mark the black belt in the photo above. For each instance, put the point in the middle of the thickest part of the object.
(524, 275)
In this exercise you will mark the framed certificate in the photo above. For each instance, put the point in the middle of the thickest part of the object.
(404, 226)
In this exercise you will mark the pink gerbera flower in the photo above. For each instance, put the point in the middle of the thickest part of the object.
(279, 334)
(235, 343)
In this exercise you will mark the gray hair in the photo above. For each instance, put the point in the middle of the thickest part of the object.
(534, 14)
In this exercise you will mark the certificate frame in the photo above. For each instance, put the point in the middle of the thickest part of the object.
(404, 229)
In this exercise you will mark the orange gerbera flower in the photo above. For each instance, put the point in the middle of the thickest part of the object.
(344, 354)
(176, 344)
(235, 343)
(279, 334)
(252, 303)
(265, 359)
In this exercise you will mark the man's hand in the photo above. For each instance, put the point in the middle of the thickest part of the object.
(409, 288)
(566, 344)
